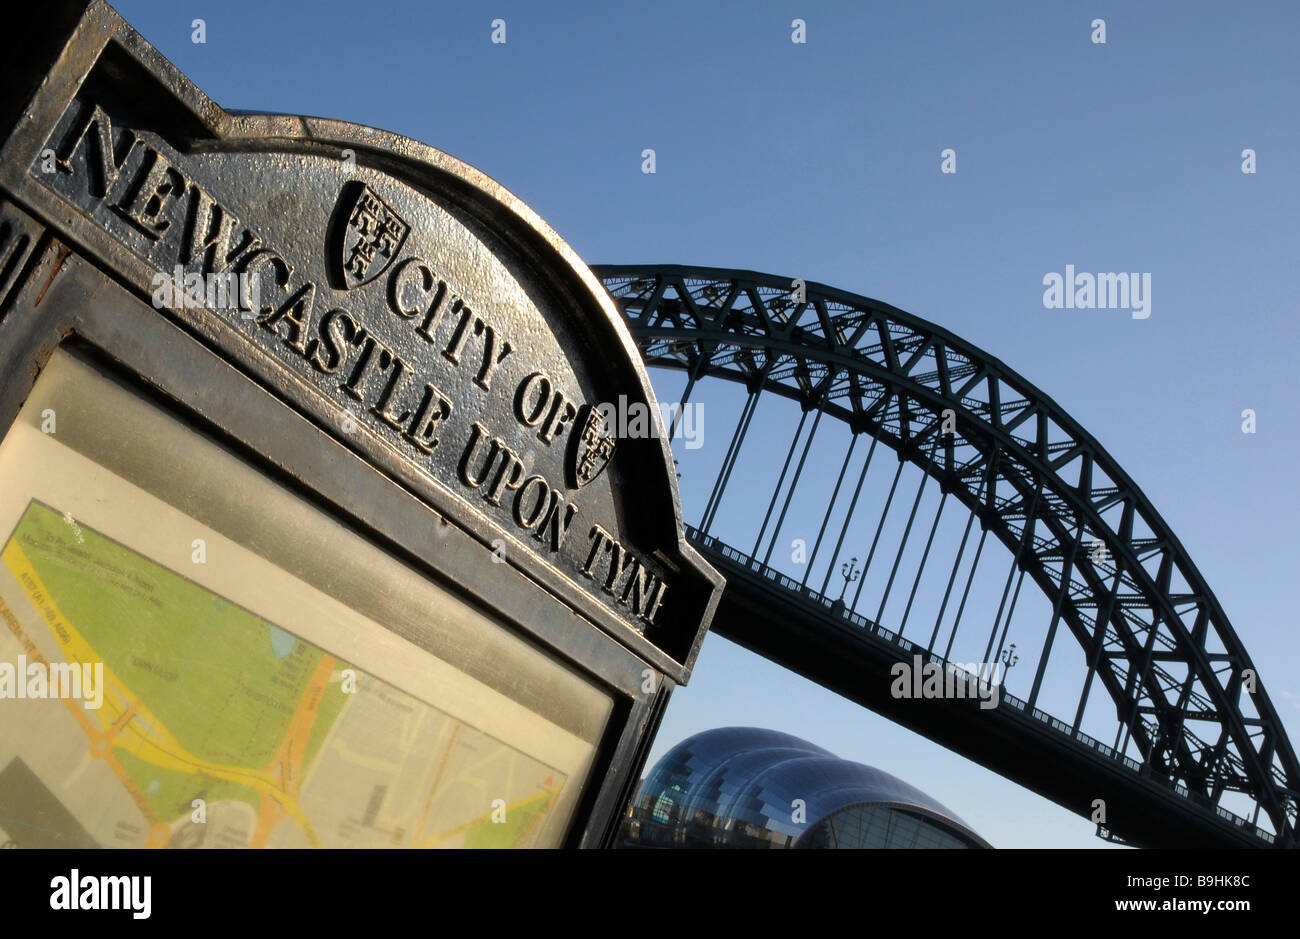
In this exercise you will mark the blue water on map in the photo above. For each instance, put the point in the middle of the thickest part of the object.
(282, 643)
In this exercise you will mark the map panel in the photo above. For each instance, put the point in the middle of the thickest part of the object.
(209, 710)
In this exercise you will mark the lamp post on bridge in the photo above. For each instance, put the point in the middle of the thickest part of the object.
(850, 573)
(1009, 660)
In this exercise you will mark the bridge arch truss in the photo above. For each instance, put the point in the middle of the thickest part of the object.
(1188, 699)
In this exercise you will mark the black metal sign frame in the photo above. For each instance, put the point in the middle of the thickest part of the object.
(422, 357)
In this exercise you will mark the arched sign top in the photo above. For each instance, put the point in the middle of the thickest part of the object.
(408, 304)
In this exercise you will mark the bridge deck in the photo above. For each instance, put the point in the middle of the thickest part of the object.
(803, 630)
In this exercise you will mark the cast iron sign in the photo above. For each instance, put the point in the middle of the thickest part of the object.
(400, 304)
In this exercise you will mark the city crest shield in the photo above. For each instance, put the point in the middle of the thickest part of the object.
(590, 447)
(369, 239)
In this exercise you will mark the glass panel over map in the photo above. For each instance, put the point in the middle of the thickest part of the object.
(224, 702)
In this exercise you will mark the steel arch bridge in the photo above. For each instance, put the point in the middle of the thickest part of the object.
(1194, 727)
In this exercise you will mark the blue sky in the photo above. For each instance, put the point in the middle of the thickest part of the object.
(822, 161)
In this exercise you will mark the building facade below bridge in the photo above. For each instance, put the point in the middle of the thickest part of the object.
(746, 787)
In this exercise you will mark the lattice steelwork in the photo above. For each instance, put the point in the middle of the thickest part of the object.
(1151, 631)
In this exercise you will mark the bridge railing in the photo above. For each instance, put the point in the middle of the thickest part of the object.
(817, 598)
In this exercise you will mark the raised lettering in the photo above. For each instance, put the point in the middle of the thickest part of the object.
(555, 524)
(382, 406)
(359, 381)
(652, 605)
(157, 187)
(337, 331)
(491, 360)
(297, 310)
(103, 173)
(618, 558)
(477, 433)
(562, 411)
(457, 343)
(434, 408)
(598, 538)
(528, 415)
(211, 235)
(528, 519)
(281, 271)
(510, 474)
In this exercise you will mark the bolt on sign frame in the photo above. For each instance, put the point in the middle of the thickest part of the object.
(300, 479)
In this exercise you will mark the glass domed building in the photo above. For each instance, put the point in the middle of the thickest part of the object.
(745, 787)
